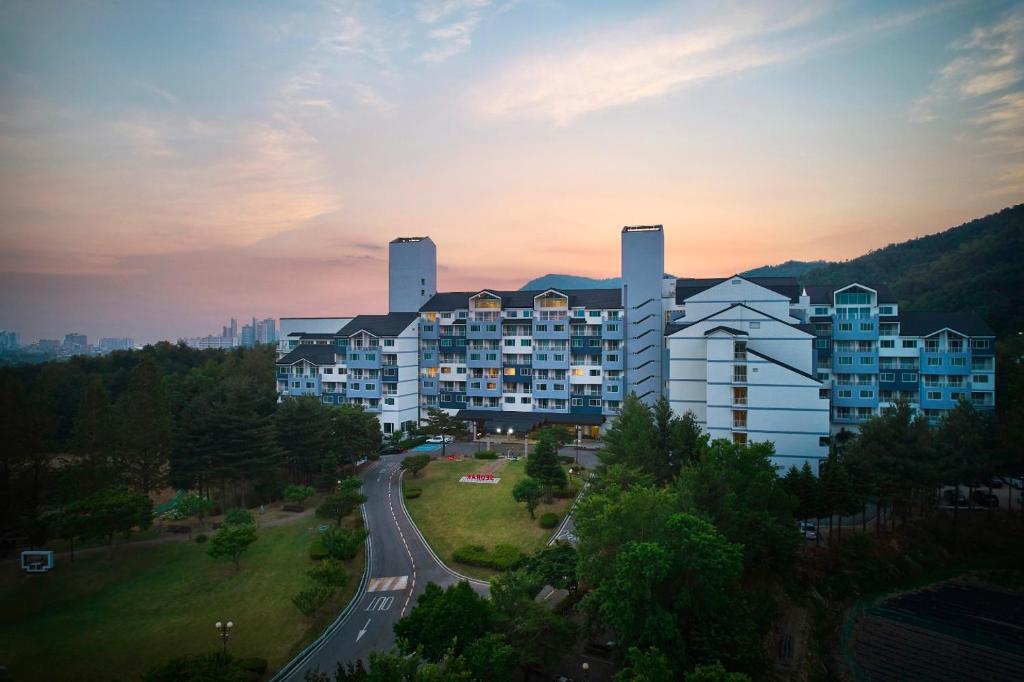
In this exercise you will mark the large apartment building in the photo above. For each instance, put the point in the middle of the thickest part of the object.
(754, 359)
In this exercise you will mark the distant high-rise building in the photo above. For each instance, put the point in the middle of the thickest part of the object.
(76, 343)
(8, 341)
(110, 344)
(248, 335)
(266, 331)
(211, 341)
(48, 345)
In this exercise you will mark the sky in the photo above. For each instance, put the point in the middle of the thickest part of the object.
(167, 165)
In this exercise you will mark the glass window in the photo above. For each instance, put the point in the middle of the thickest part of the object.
(909, 343)
(867, 360)
(934, 395)
(885, 310)
(909, 377)
(389, 342)
(821, 311)
(887, 343)
(867, 326)
(846, 326)
(934, 362)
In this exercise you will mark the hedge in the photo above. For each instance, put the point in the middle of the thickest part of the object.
(317, 551)
(502, 557)
(566, 493)
(413, 442)
(201, 538)
(413, 493)
(254, 665)
(486, 454)
(548, 520)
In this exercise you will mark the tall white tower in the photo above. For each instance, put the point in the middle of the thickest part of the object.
(643, 265)
(412, 273)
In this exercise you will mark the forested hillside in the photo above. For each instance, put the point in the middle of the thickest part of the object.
(977, 266)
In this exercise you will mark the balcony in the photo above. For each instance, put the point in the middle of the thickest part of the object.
(739, 423)
(739, 378)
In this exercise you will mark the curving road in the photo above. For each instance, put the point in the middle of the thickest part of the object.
(400, 566)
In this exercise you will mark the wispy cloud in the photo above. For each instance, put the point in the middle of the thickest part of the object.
(645, 60)
(984, 82)
(452, 24)
(165, 95)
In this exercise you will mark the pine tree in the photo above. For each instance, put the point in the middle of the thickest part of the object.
(542, 464)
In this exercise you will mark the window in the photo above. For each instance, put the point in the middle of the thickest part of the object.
(463, 314)
(867, 360)
(579, 313)
(492, 327)
(353, 356)
(389, 342)
(821, 311)
(934, 395)
(909, 377)
(845, 360)
(527, 313)
(492, 356)
(867, 326)
(885, 310)
(371, 387)
(739, 438)
(510, 342)
(524, 401)
(474, 356)
(867, 393)
(474, 327)
(595, 343)
(755, 325)
(887, 343)
(823, 441)
(446, 316)
(821, 343)
(613, 327)
(510, 400)
(909, 343)
(845, 393)
(428, 327)
(853, 298)
(542, 357)
(559, 357)
(612, 388)
(558, 328)
(354, 386)
(593, 313)
(389, 401)
(934, 362)
(958, 362)
(595, 372)
(846, 326)
(511, 313)
(980, 344)
(980, 378)
(613, 357)
(525, 342)
(887, 376)
(577, 402)
(542, 327)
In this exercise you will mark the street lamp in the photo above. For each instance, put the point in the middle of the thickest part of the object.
(510, 431)
(225, 632)
(578, 428)
(586, 670)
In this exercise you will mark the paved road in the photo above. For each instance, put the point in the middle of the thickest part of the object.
(400, 564)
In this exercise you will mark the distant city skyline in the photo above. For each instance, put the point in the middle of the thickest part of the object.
(163, 165)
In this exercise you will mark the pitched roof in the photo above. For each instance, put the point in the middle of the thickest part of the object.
(791, 368)
(787, 286)
(587, 298)
(807, 328)
(913, 323)
(822, 294)
(728, 330)
(391, 324)
(318, 355)
(312, 335)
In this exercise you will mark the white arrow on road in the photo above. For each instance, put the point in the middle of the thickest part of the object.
(363, 631)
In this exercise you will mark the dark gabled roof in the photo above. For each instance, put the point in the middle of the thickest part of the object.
(728, 330)
(586, 298)
(924, 323)
(787, 286)
(822, 294)
(791, 368)
(391, 324)
(317, 335)
(672, 327)
(801, 327)
(318, 355)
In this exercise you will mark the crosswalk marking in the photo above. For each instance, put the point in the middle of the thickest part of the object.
(394, 583)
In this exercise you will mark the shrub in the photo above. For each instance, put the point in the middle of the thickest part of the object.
(502, 557)
(238, 517)
(343, 544)
(201, 538)
(297, 494)
(329, 572)
(413, 442)
(412, 493)
(254, 665)
(317, 551)
(486, 454)
(566, 459)
(309, 600)
(548, 520)
(213, 666)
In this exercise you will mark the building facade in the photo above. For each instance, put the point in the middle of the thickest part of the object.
(754, 359)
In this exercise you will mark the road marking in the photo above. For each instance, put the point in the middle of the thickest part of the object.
(380, 604)
(363, 631)
(395, 583)
(412, 561)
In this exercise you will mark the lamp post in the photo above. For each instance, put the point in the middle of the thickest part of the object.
(578, 444)
(586, 670)
(510, 431)
(225, 632)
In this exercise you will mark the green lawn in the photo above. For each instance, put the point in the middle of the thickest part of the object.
(452, 514)
(103, 618)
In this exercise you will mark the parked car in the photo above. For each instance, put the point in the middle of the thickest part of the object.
(985, 499)
(809, 529)
(949, 495)
(1012, 481)
(995, 482)
(391, 450)
(441, 439)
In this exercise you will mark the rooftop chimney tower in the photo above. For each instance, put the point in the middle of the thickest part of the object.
(412, 273)
(643, 265)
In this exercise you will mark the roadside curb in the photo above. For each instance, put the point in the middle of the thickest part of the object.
(313, 647)
(430, 550)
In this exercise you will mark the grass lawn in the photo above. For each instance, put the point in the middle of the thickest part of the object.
(452, 514)
(103, 618)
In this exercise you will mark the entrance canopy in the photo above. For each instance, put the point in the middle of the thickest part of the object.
(524, 422)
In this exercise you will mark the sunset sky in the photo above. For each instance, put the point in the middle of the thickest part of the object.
(166, 165)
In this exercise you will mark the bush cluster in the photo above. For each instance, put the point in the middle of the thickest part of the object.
(309, 600)
(317, 551)
(329, 572)
(566, 493)
(201, 538)
(412, 493)
(413, 442)
(486, 454)
(502, 557)
(548, 520)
